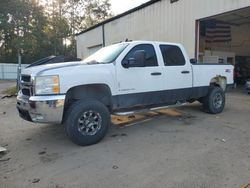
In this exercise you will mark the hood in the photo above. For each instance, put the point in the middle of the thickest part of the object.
(38, 70)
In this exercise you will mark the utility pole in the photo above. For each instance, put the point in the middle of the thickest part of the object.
(19, 59)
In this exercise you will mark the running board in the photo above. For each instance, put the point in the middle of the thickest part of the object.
(178, 104)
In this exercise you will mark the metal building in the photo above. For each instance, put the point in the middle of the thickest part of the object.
(182, 21)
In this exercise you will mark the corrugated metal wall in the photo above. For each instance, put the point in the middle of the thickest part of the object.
(161, 21)
(88, 40)
(9, 71)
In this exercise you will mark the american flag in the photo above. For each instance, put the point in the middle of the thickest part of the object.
(218, 32)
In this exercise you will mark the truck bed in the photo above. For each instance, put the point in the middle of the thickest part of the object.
(211, 71)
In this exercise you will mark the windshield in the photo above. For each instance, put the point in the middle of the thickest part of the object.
(107, 54)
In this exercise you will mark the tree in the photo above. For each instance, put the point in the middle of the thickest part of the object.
(21, 29)
(82, 14)
(95, 12)
(39, 29)
(57, 28)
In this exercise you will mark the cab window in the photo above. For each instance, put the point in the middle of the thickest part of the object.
(172, 55)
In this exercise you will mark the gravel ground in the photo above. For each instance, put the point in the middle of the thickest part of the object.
(177, 148)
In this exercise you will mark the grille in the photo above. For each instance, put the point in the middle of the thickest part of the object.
(26, 92)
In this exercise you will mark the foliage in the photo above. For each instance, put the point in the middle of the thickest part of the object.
(85, 13)
(10, 91)
(40, 29)
(82, 14)
(22, 27)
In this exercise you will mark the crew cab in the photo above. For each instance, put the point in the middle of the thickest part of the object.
(120, 79)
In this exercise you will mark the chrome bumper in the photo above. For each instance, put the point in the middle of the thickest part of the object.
(41, 109)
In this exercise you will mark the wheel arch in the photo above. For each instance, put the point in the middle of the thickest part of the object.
(99, 92)
(219, 81)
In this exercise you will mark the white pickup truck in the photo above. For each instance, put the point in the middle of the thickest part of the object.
(119, 79)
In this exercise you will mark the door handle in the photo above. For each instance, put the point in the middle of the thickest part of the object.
(185, 72)
(156, 73)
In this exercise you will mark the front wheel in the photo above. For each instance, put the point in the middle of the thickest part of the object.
(87, 122)
(214, 102)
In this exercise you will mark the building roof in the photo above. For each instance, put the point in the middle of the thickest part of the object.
(119, 16)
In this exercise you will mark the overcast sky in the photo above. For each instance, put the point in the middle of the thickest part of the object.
(119, 6)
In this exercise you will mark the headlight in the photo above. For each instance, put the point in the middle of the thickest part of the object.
(47, 85)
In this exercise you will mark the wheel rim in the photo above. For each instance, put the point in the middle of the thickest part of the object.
(89, 123)
(218, 100)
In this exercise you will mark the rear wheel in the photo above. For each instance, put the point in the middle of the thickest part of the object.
(214, 102)
(87, 122)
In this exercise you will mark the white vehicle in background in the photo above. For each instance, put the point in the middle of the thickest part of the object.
(248, 86)
(120, 79)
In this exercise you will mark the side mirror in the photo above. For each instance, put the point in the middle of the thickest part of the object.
(193, 61)
(131, 61)
(125, 64)
(137, 60)
(140, 58)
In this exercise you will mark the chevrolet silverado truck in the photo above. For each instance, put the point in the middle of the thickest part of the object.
(120, 79)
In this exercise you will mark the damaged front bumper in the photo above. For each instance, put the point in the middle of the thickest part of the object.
(41, 109)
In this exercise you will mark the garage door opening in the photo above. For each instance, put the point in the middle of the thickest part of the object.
(94, 49)
(225, 38)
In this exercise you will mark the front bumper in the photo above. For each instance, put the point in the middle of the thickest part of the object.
(41, 109)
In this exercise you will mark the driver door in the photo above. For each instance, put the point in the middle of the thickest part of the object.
(139, 86)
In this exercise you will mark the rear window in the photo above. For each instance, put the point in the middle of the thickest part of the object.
(172, 55)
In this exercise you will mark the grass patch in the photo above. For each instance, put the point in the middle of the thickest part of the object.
(10, 91)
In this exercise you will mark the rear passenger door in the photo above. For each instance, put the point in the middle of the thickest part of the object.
(177, 73)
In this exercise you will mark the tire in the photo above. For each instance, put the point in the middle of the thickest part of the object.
(214, 102)
(87, 122)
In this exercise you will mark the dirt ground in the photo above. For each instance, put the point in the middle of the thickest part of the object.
(177, 148)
